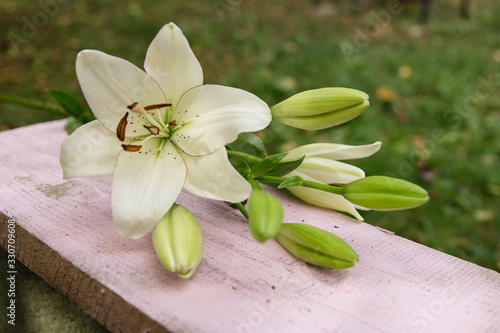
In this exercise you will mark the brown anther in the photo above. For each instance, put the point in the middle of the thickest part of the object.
(156, 106)
(120, 129)
(152, 129)
(172, 123)
(137, 107)
(133, 105)
(131, 147)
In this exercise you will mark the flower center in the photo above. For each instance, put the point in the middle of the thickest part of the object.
(156, 127)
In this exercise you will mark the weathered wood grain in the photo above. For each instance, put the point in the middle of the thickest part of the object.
(93, 297)
(66, 235)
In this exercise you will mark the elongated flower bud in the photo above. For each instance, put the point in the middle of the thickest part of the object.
(320, 165)
(320, 108)
(385, 193)
(177, 241)
(316, 246)
(265, 215)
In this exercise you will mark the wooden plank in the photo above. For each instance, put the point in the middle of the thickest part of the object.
(64, 233)
(93, 297)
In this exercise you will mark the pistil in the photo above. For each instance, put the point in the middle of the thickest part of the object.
(137, 107)
(158, 106)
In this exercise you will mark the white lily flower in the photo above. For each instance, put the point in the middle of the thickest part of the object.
(159, 131)
(321, 165)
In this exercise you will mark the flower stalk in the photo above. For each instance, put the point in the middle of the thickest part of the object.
(34, 104)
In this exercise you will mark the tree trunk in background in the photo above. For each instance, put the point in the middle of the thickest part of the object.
(424, 10)
(464, 9)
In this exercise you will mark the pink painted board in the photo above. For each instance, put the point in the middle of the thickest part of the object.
(241, 285)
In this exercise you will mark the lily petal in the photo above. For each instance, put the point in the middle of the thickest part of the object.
(110, 84)
(145, 186)
(212, 116)
(334, 151)
(90, 151)
(213, 177)
(327, 171)
(324, 199)
(172, 63)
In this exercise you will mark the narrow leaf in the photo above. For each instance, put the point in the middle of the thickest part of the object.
(72, 124)
(292, 181)
(252, 140)
(284, 168)
(241, 166)
(266, 164)
(70, 103)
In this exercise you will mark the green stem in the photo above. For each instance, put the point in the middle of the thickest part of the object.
(272, 179)
(306, 183)
(254, 184)
(245, 156)
(242, 209)
(35, 104)
(323, 187)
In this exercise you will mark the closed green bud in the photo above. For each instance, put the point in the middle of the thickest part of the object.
(385, 193)
(265, 215)
(320, 108)
(316, 246)
(320, 164)
(177, 241)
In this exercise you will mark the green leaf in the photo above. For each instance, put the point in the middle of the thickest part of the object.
(72, 124)
(87, 117)
(242, 167)
(252, 140)
(266, 164)
(70, 103)
(284, 168)
(292, 181)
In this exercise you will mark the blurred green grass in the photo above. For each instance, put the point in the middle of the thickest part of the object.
(439, 123)
(434, 89)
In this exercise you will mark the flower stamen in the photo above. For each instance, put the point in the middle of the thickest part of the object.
(156, 106)
(152, 129)
(120, 129)
(131, 147)
(138, 108)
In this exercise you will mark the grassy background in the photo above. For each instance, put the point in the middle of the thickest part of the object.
(434, 88)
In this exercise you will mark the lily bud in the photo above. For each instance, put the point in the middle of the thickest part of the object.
(316, 246)
(320, 108)
(265, 215)
(177, 241)
(320, 165)
(385, 193)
